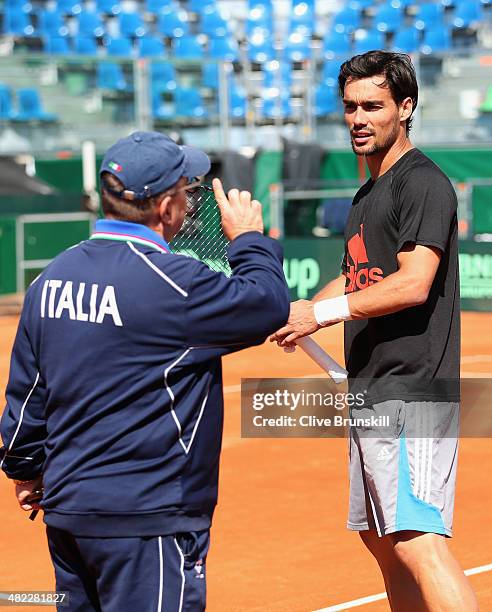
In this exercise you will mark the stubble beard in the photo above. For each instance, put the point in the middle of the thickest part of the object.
(377, 147)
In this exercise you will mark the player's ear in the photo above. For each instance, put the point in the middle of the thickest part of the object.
(406, 109)
(164, 208)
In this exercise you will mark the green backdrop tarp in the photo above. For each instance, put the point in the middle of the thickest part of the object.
(65, 174)
(482, 209)
(8, 281)
(52, 203)
(476, 275)
(268, 170)
(461, 164)
(340, 166)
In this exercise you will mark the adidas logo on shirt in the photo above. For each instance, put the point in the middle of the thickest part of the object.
(383, 454)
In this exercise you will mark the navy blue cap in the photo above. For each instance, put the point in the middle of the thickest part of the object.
(148, 163)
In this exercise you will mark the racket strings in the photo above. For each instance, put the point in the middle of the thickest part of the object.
(201, 235)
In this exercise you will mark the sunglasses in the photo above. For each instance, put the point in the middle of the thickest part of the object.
(193, 187)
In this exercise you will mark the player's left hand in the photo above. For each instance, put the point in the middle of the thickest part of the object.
(302, 322)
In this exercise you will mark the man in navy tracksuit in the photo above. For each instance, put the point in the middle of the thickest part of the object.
(114, 401)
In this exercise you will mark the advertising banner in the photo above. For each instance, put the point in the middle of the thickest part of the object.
(311, 262)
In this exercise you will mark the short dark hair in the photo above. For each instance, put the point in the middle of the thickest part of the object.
(397, 69)
(136, 211)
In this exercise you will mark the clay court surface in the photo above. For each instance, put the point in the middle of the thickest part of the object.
(279, 541)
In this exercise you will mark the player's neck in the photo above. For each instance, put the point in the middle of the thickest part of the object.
(163, 231)
(380, 163)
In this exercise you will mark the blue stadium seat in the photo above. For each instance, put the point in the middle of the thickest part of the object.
(162, 77)
(302, 17)
(325, 100)
(198, 5)
(173, 23)
(330, 72)
(188, 47)
(467, 13)
(22, 5)
(212, 23)
(363, 4)
(51, 23)
(150, 46)
(17, 22)
(277, 74)
(119, 47)
(109, 7)
(90, 24)
(69, 7)
(435, 40)
(84, 45)
(336, 44)
(224, 48)
(156, 6)
(259, 16)
(347, 20)
(110, 76)
(373, 39)
(406, 40)
(6, 110)
(260, 47)
(131, 24)
(278, 106)
(252, 3)
(210, 75)
(57, 45)
(189, 103)
(30, 107)
(298, 47)
(160, 110)
(388, 17)
(429, 16)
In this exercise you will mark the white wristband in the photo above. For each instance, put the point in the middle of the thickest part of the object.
(332, 310)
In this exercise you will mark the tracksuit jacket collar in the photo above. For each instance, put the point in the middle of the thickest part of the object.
(125, 231)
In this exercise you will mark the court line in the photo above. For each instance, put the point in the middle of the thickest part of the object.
(465, 374)
(475, 358)
(355, 603)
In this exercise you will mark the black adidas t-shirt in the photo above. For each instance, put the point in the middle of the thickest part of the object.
(413, 353)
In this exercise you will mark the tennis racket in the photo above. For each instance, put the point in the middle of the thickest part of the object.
(201, 237)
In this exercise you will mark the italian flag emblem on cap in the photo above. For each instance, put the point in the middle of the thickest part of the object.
(114, 166)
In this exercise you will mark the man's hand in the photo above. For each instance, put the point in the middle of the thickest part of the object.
(302, 322)
(239, 213)
(24, 490)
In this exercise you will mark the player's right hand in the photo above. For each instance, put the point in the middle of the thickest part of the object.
(23, 491)
(240, 214)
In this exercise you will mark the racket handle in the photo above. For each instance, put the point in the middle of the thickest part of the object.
(321, 357)
(33, 515)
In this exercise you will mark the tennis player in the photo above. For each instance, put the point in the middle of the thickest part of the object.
(114, 400)
(399, 297)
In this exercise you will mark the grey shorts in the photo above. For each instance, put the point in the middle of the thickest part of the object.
(403, 475)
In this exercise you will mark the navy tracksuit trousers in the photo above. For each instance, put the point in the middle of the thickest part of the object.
(149, 574)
